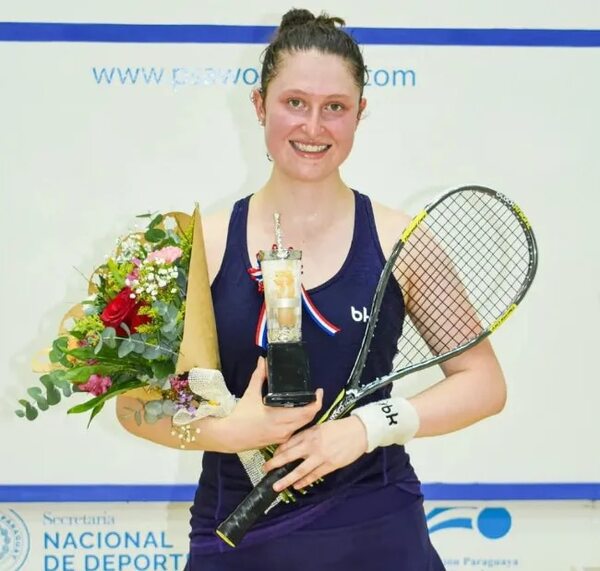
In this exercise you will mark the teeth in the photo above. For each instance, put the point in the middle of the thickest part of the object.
(310, 148)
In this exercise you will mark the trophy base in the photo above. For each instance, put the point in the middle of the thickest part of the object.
(288, 376)
(289, 400)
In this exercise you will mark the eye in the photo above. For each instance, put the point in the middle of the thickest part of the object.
(335, 107)
(295, 103)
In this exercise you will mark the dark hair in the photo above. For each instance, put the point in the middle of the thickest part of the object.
(300, 31)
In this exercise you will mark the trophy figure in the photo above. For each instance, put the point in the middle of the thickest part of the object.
(287, 372)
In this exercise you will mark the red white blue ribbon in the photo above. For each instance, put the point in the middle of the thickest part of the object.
(308, 304)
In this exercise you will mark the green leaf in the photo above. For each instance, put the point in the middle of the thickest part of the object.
(99, 345)
(154, 235)
(154, 407)
(20, 413)
(156, 221)
(169, 408)
(109, 336)
(152, 352)
(137, 415)
(82, 353)
(52, 393)
(82, 374)
(125, 347)
(59, 349)
(162, 369)
(95, 411)
(112, 392)
(138, 345)
(147, 215)
(36, 394)
(31, 412)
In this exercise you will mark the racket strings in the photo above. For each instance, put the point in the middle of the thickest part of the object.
(458, 273)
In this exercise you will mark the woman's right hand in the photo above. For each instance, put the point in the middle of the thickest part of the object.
(254, 425)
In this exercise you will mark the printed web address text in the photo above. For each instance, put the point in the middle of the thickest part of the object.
(182, 77)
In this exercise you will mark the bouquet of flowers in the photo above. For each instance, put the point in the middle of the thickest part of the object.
(147, 323)
(147, 329)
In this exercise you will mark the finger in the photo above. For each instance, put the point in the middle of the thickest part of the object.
(258, 377)
(282, 458)
(318, 404)
(297, 474)
(312, 477)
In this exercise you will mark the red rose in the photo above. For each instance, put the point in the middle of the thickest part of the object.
(123, 309)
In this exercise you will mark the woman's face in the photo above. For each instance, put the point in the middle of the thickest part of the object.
(310, 113)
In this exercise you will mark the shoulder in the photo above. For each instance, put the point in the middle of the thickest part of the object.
(214, 229)
(389, 223)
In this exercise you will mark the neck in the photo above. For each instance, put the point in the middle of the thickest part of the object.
(305, 207)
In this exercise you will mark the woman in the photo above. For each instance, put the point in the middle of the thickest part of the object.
(368, 512)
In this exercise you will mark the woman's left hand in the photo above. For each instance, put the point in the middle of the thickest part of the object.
(324, 447)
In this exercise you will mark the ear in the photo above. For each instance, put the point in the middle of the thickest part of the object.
(361, 107)
(259, 105)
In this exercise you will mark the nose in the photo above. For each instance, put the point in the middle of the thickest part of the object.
(313, 126)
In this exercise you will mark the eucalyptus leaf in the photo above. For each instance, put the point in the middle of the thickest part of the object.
(137, 415)
(108, 335)
(168, 326)
(31, 412)
(161, 308)
(150, 419)
(125, 347)
(36, 394)
(99, 345)
(153, 407)
(138, 343)
(169, 408)
(52, 393)
(125, 328)
(152, 352)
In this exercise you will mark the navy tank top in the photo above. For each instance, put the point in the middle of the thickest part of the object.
(345, 300)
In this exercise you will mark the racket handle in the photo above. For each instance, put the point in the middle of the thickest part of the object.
(234, 528)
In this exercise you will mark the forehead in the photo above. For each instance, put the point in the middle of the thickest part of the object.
(314, 72)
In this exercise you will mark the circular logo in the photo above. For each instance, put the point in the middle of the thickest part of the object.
(494, 523)
(14, 541)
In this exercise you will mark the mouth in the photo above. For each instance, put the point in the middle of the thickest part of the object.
(309, 150)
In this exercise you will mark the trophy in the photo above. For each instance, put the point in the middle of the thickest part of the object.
(287, 372)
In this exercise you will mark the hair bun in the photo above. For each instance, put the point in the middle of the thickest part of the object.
(296, 17)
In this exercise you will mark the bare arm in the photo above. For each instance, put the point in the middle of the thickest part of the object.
(474, 386)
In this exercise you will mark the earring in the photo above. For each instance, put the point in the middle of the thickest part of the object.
(269, 158)
(261, 121)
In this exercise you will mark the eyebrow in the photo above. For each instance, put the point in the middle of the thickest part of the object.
(305, 93)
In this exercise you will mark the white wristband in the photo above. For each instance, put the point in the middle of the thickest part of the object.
(390, 421)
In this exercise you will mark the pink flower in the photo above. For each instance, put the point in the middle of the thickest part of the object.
(179, 384)
(96, 385)
(133, 275)
(168, 254)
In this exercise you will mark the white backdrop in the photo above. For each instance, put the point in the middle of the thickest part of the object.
(79, 157)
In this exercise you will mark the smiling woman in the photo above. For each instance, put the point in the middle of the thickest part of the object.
(368, 512)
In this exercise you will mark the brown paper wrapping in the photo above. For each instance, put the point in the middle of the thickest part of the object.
(199, 346)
